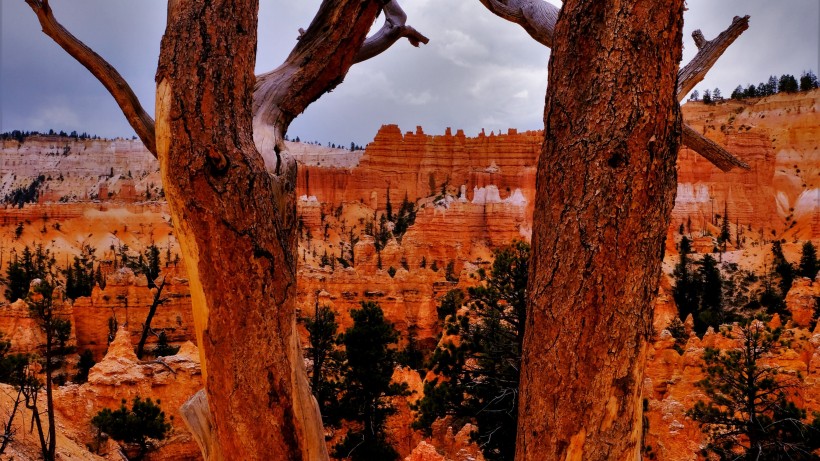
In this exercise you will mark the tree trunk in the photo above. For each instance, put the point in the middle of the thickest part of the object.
(238, 253)
(146, 328)
(605, 189)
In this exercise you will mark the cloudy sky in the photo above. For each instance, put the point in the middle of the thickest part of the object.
(477, 72)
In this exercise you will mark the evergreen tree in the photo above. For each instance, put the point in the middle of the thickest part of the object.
(716, 95)
(710, 311)
(79, 276)
(684, 291)
(751, 92)
(162, 348)
(787, 84)
(808, 260)
(771, 85)
(707, 97)
(43, 310)
(725, 235)
(23, 269)
(478, 379)
(738, 93)
(84, 366)
(412, 356)
(143, 421)
(748, 414)
(450, 272)
(371, 358)
(323, 351)
(695, 96)
(808, 81)
(783, 268)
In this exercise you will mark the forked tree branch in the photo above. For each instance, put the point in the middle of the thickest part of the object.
(319, 62)
(140, 121)
(538, 19)
(708, 54)
(394, 28)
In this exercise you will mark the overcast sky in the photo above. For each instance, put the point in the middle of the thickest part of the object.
(477, 72)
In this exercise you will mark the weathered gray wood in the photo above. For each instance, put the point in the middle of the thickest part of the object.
(318, 63)
(537, 17)
(394, 28)
(197, 417)
(709, 51)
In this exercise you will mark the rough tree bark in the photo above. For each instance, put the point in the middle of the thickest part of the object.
(605, 190)
(236, 221)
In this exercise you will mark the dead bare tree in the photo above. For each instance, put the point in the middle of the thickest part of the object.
(152, 310)
(605, 190)
(236, 221)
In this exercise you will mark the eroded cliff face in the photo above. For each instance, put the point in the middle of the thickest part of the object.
(472, 194)
(118, 376)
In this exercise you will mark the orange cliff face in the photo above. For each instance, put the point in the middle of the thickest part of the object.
(779, 136)
(473, 194)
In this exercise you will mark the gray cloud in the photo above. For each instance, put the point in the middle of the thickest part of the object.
(477, 72)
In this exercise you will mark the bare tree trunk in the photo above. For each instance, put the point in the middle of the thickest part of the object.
(150, 317)
(605, 189)
(8, 432)
(50, 449)
(238, 254)
(236, 223)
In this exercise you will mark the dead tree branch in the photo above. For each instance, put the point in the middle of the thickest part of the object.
(395, 27)
(319, 62)
(140, 121)
(158, 299)
(709, 51)
(711, 150)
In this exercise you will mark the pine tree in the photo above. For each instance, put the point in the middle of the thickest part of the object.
(771, 85)
(783, 268)
(371, 358)
(707, 97)
(695, 96)
(738, 93)
(143, 421)
(84, 366)
(323, 351)
(725, 235)
(716, 95)
(787, 84)
(710, 287)
(748, 414)
(478, 379)
(808, 81)
(808, 260)
(684, 292)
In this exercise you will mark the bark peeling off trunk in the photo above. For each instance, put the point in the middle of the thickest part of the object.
(605, 190)
(238, 252)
